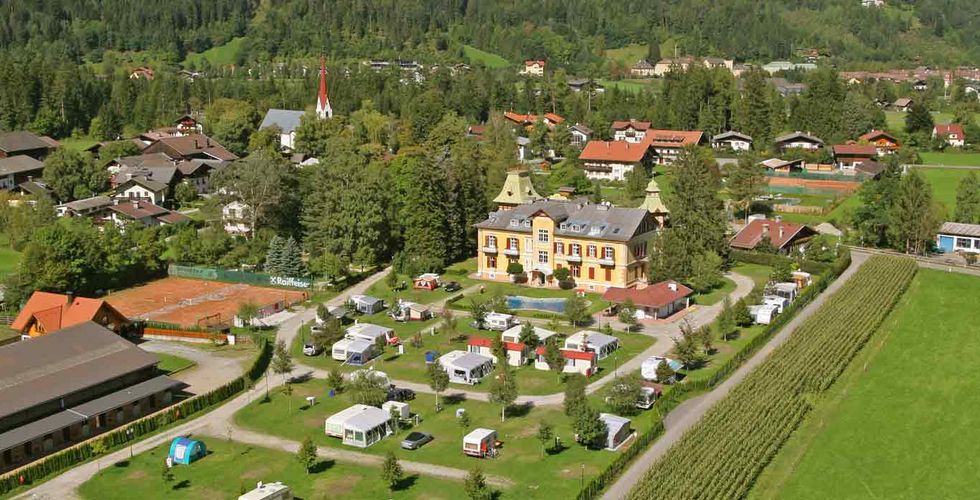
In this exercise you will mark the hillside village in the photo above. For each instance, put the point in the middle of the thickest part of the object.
(406, 276)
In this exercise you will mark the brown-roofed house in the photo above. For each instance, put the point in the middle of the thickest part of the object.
(612, 160)
(22, 142)
(17, 169)
(656, 301)
(145, 213)
(784, 236)
(847, 156)
(47, 312)
(668, 144)
(883, 141)
(191, 147)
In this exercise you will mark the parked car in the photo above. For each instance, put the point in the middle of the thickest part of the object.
(452, 286)
(400, 394)
(415, 440)
(309, 349)
(479, 325)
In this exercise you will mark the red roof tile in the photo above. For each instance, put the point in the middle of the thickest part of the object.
(623, 124)
(480, 341)
(514, 346)
(656, 295)
(866, 150)
(950, 129)
(876, 135)
(571, 354)
(780, 233)
(54, 312)
(618, 151)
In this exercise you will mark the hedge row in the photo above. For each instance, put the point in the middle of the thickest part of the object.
(79, 453)
(674, 394)
(771, 260)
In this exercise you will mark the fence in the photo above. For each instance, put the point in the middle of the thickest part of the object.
(119, 437)
(674, 394)
(813, 176)
(173, 333)
(258, 279)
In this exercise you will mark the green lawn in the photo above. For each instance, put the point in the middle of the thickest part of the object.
(221, 55)
(9, 258)
(901, 421)
(944, 183)
(715, 296)
(488, 59)
(171, 364)
(629, 54)
(895, 120)
(232, 466)
(522, 459)
(631, 85)
(951, 158)
(77, 143)
(458, 272)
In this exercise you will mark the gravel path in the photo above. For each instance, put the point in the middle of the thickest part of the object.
(213, 368)
(688, 414)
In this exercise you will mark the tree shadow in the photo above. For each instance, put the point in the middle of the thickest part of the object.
(556, 449)
(321, 466)
(453, 399)
(406, 482)
(183, 484)
(520, 410)
(122, 464)
(301, 378)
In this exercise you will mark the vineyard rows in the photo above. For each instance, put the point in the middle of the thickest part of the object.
(721, 456)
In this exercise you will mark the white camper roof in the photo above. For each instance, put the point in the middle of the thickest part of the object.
(368, 418)
(541, 333)
(367, 330)
(478, 434)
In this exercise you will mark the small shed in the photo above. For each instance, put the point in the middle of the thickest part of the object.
(268, 491)
(618, 430)
(427, 281)
(185, 450)
(410, 311)
(365, 304)
(399, 409)
(480, 442)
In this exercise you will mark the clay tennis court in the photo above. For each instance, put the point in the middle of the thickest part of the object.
(191, 302)
(816, 184)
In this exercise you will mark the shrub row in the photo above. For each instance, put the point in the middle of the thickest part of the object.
(104, 443)
(673, 395)
(771, 260)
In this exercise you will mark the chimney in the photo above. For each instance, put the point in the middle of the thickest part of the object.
(780, 232)
(197, 145)
(136, 203)
(765, 230)
(672, 286)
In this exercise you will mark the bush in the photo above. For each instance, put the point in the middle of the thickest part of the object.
(515, 268)
(566, 284)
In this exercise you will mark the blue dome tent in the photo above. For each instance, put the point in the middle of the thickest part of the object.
(185, 450)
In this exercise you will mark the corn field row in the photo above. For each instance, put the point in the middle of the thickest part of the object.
(721, 456)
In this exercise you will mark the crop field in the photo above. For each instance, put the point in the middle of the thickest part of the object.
(722, 456)
(901, 421)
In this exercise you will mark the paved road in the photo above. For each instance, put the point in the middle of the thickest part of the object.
(213, 369)
(63, 486)
(690, 412)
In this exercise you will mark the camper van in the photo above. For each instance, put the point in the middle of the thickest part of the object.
(268, 491)
(371, 333)
(352, 351)
(480, 443)
(763, 314)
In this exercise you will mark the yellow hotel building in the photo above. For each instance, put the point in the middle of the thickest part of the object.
(601, 245)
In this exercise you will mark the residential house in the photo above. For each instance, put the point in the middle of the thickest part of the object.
(190, 147)
(526, 121)
(958, 237)
(668, 144)
(66, 387)
(869, 169)
(533, 68)
(287, 121)
(847, 156)
(35, 188)
(187, 125)
(589, 341)
(236, 217)
(476, 131)
(920, 85)
(784, 236)
(601, 245)
(718, 63)
(47, 312)
(94, 207)
(585, 84)
(642, 69)
(466, 367)
(667, 64)
(734, 141)
(902, 104)
(15, 170)
(145, 213)
(630, 130)
(777, 66)
(580, 135)
(883, 142)
(951, 133)
(197, 173)
(22, 142)
(142, 188)
(142, 73)
(612, 160)
(798, 140)
(656, 301)
(787, 88)
(782, 166)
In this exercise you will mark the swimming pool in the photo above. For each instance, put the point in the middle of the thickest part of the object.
(518, 302)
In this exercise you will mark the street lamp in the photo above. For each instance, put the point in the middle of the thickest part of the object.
(582, 487)
(129, 435)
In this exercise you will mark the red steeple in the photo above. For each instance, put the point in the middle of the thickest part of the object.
(323, 109)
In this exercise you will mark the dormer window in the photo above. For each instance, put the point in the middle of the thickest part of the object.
(527, 223)
(563, 226)
(515, 222)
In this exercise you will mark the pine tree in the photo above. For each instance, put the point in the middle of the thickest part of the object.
(528, 336)
(553, 356)
(746, 181)
(918, 119)
(590, 428)
(292, 259)
(274, 256)
(915, 216)
(636, 183)
(741, 313)
(475, 485)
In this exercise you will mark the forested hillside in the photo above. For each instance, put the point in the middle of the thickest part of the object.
(572, 33)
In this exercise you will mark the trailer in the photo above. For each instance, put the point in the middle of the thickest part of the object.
(480, 443)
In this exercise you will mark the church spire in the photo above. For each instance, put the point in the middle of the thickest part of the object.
(323, 109)
(653, 204)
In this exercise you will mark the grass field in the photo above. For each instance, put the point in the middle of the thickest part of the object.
(631, 85)
(895, 120)
(902, 421)
(951, 158)
(488, 59)
(232, 466)
(522, 459)
(220, 55)
(171, 364)
(77, 143)
(629, 54)
(944, 183)
(458, 272)
(9, 258)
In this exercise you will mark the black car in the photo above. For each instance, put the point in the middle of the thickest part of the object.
(415, 440)
(452, 286)
(400, 394)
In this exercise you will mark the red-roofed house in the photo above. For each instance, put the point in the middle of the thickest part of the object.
(47, 312)
(785, 236)
(143, 212)
(533, 68)
(630, 130)
(952, 133)
(848, 156)
(583, 362)
(668, 144)
(884, 142)
(611, 160)
(656, 301)
(528, 120)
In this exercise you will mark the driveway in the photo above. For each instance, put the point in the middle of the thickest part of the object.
(214, 368)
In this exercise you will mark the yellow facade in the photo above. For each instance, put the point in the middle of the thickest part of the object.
(595, 264)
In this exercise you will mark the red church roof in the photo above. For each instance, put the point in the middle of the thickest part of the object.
(321, 99)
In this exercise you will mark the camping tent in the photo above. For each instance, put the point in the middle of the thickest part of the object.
(185, 450)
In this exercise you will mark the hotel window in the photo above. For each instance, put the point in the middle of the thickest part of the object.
(559, 248)
(591, 251)
(577, 271)
(491, 241)
(542, 257)
(513, 243)
(576, 249)
(491, 261)
(542, 235)
(607, 253)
